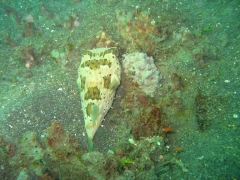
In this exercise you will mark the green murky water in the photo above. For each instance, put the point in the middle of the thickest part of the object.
(189, 128)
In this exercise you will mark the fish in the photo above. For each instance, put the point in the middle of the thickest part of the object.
(177, 149)
(168, 129)
(99, 75)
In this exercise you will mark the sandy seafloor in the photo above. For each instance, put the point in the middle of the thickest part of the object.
(195, 41)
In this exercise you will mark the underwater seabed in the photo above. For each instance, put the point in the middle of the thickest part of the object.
(185, 125)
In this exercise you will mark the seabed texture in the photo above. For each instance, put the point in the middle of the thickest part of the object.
(188, 129)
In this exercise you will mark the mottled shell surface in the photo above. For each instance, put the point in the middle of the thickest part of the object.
(99, 76)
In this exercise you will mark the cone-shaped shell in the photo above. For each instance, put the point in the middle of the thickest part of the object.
(99, 76)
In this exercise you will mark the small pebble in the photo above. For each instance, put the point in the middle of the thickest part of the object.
(131, 141)
(235, 116)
